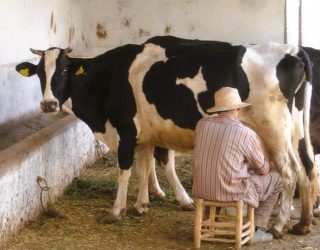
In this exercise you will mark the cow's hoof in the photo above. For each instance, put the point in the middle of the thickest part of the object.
(297, 229)
(275, 233)
(188, 207)
(140, 208)
(134, 212)
(109, 218)
(158, 194)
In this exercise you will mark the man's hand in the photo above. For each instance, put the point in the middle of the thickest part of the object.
(272, 166)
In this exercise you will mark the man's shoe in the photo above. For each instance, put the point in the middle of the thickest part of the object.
(260, 236)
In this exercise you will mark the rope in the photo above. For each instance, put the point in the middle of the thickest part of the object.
(50, 211)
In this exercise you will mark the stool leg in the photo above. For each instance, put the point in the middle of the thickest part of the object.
(239, 224)
(251, 219)
(212, 217)
(197, 224)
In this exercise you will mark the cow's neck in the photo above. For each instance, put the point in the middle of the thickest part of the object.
(88, 97)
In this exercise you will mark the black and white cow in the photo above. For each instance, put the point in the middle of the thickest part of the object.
(107, 128)
(154, 97)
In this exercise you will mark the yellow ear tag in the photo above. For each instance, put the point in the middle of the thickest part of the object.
(24, 72)
(80, 71)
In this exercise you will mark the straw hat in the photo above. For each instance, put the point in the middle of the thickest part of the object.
(227, 98)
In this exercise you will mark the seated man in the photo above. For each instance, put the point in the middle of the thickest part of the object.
(232, 164)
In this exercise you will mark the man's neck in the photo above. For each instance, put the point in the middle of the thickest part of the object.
(234, 113)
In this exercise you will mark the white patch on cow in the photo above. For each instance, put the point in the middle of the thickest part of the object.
(67, 107)
(152, 128)
(306, 119)
(259, 64)
(50, 57)
(110, 137)
(297, 135)
(197, 85)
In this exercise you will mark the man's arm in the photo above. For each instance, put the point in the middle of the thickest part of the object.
(256, 154)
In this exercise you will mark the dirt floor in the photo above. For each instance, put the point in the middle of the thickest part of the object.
(164, 227)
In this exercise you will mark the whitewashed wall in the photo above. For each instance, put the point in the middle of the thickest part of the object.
(310, 23)
(238, 21)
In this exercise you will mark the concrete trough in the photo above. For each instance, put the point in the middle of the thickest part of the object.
(56, 153)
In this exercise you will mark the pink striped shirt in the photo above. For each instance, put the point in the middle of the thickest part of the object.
(224, 151)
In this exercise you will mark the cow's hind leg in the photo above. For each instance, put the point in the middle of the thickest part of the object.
(154, 186)
(145, 161)
(308, 191)
(288, 181)
(166, 158)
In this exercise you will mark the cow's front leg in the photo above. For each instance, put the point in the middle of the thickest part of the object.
(125, 158)
(166, 159)
(308, 193)
(145, 161)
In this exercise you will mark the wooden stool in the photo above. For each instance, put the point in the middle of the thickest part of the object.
(219, 228)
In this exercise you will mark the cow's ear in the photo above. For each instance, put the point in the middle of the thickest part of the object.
(67, 50)
(37, 52)
(26, 69)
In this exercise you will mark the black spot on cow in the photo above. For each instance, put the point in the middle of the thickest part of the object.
(220, 67)
(172, 101)
(289, 72)
(306, 161)
(161, 155)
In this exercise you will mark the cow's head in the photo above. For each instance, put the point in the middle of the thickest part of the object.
(52, 71)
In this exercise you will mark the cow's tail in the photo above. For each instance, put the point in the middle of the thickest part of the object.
(306, 110)
(311, 171)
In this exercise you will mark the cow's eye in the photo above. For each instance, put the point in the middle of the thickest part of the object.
(64, 72)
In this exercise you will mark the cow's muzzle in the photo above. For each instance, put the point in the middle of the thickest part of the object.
(49, 106)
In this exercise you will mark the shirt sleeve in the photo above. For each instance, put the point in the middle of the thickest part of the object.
(256, 155)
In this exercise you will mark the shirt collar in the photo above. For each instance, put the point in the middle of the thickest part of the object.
(224, 116)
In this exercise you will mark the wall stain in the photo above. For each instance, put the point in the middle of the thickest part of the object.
(71, 33)
(126, 22)
(53, 25)
(143, 32)
(167, 29)
(101, 31)
(51, 20)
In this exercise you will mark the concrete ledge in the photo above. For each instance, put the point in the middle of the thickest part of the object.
(57, 153)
